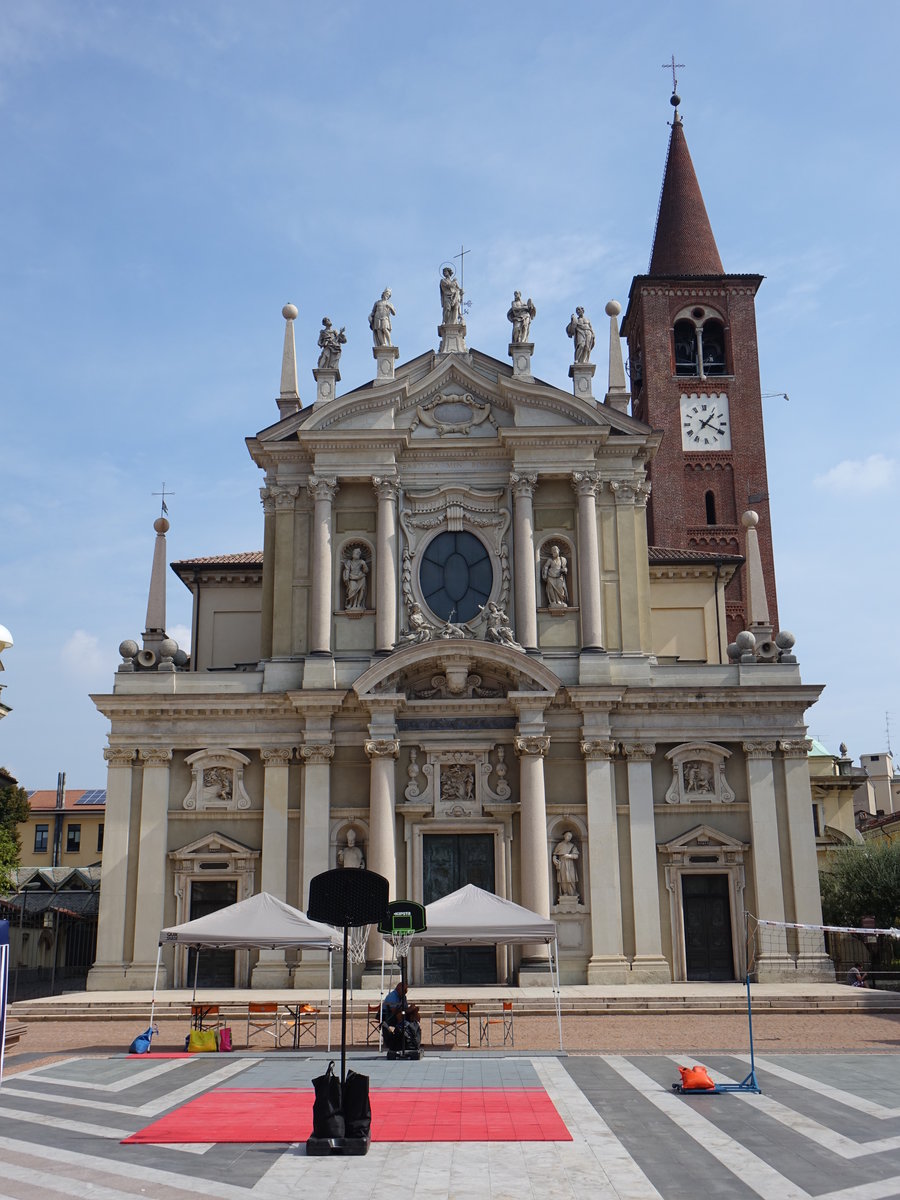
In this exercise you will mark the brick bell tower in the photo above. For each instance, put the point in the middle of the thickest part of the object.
(694, 362)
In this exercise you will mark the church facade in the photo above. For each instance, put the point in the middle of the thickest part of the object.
(501, 632)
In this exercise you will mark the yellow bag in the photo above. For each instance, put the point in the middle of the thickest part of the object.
(202, 1041)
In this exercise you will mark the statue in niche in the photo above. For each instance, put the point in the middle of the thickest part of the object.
(565, 860)
(380, 319)
(521, 313)
(354, 575)
(350, 855)
(698, 778)
(554, 572)
(218, 784)
(498, 627)
(331, 342)
(451, 297)
(580, 328)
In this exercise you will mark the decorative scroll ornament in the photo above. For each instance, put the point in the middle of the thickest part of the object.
(217, 781)
(532, 745)
(451, 413)
(155, 756)
(119, 756)
(639, 751)
(598, 750)
(317, 752)
(759, 749)
(382, 747)
(795, 747)
(276, 756)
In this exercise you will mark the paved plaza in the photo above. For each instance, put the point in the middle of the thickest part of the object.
(825, 1125)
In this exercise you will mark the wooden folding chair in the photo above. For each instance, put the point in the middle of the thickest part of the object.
(263, 1018)
(205, 1016)
(505, 1018)
(373, 1023)
(453, 1022)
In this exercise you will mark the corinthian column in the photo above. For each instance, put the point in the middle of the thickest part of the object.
(114, 878)
(382, 855)
(386, 490)
(771, 957)
(812, 961)
(151, 876)
(585, 485)
(649, 964)
(534, 866)
(284, 498)
(322, 491)
(271, 969)
(608, 963)
(523, 540)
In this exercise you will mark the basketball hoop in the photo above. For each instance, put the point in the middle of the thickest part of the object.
(356, 945)
(403, 919)
(401, 940)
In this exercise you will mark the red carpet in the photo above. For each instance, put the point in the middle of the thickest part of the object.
(398, 1115)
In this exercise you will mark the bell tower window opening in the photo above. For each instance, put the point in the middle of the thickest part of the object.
(711, 509)
(686, 348)
(713, 337)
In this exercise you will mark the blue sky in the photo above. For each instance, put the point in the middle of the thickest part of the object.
(175, 172)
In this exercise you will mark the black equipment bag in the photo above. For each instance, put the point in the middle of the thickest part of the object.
(328, 1120)
(412, 1035)
(357, 1109)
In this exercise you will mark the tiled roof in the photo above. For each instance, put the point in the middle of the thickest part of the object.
(245, 558)
(683, 243)
(76, 799)
(672, 554)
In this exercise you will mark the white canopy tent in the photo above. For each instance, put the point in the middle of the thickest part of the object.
(261, 922)
(471, 916)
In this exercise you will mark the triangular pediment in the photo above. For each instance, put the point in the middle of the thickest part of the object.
(453, 397)
(214, 845)
(703, 837)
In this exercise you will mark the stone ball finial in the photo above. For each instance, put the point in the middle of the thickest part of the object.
(290, 312)
(784, 639)
(733, 652)
(168, 647)
(180, 657)
(128, 648)
(745, 641)
(674, 99)
(749, 519)
(161, 525)
(843, 749)
(613, 308)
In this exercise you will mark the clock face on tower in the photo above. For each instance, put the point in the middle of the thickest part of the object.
(705, 423)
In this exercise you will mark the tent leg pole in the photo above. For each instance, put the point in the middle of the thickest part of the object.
(155, 982)
(330, 968)
(196, 970)
(557, 990)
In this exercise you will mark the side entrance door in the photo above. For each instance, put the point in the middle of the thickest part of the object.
(450, 861)
(216, 966)
(707, 927)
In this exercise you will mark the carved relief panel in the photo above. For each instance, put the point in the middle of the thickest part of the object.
(698, 774)
(456, 783)
(217, 781)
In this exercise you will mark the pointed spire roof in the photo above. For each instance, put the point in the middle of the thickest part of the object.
(683, 243)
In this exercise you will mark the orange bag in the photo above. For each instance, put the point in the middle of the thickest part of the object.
(696, 1079)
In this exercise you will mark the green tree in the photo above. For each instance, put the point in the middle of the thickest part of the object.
(862, 881)
(14, 808)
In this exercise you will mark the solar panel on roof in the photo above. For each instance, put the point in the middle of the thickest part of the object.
(94, 796)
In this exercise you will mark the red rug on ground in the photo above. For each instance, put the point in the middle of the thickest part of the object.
(398, 1115)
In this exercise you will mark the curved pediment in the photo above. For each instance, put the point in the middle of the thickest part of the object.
(456, 660)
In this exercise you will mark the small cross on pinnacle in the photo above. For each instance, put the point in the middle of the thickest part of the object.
(673, 66)
(164, 509)
(466, 304)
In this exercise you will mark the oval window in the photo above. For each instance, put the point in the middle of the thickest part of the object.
(456, 576)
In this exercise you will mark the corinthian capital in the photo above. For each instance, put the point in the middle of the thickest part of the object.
(155, 756)
(594, 750)
(523, 485)
(639, 751)
(585, 483)
(267, 499)
(386, 487)
(317, 752)
(283, 496)
(382, 747)
(276, 756)
(322, 487)
(531, 745)
(119, 756)
(795, 748)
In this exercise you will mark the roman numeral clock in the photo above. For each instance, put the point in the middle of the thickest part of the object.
(705, 423)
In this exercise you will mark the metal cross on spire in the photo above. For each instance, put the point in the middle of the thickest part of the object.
(672, 66)
(466, 304)
(164, 509)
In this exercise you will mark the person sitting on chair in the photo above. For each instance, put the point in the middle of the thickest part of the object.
(857, 977)
(393, 1018)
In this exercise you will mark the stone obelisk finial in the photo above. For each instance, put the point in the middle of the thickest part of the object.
(289, 400)
(617, 394)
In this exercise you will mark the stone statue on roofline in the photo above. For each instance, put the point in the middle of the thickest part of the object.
(451, 298)
(380, 319)
(331, 342)
(521, 313)
(580, 328)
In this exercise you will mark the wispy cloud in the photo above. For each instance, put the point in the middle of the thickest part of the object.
(873, 474)
(83, 656)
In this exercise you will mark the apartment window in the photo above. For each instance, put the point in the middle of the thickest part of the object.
(73, 839)
(100, 837)
(817, 824)
(41, 837)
